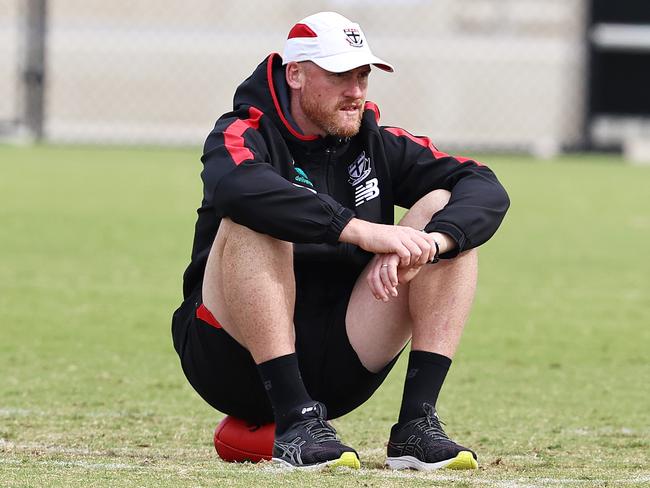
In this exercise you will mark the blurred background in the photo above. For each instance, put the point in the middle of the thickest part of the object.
(535, 76)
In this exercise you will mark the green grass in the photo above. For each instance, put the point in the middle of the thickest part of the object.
(549, 385)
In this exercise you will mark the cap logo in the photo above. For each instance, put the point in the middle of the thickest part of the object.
(353, 37)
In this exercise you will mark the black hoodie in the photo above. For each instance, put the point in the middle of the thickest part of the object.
(262, 172)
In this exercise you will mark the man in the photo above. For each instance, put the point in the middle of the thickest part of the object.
(302, 292)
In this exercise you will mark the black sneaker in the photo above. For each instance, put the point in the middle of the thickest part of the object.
(312, 443)
(422, 444)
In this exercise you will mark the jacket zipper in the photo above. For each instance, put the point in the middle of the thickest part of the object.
(329, 183)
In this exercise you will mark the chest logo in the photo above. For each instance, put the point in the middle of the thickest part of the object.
(302, 177)
(359, 169)
(365, 193)
(354, 37)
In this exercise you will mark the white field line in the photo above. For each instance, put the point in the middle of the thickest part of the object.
(8, 446)
(25, 412)
(17, 412)
(77, 464)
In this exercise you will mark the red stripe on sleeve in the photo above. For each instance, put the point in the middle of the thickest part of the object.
(233, 136)
(301, 30)
(426, 142)
(204, 314)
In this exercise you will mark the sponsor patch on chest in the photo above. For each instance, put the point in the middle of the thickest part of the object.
(301, 180)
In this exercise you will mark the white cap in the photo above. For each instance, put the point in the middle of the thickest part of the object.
(331, 41)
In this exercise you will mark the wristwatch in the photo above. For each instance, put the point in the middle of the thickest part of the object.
(436, 257)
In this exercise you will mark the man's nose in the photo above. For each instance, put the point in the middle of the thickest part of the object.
(354, 90)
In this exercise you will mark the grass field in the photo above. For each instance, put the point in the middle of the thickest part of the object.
(550, 385)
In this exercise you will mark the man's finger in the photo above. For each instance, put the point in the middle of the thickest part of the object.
(384, 273)
(425, 248)
(376, 285)
(404, 255)
(392, 274)
(414, 251)
(432, 244)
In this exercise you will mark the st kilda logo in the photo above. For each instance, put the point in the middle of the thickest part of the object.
(359, 169)
(354, 37)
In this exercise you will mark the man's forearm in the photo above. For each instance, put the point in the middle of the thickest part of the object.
(365, 234)
(353, 231)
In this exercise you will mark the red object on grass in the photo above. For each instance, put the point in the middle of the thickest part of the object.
(237, 441)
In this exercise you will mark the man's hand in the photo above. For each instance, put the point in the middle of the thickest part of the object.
(401, 252)
(413, 247)
(385, 273)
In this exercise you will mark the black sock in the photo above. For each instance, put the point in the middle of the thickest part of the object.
(424, 378)
(284, 386)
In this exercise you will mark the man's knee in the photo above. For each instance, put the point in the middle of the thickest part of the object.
(432, 202)
(229, 229)
(421, 212)
(241, 237)
(246, 266)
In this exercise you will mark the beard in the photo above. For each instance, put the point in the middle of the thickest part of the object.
(332, 120)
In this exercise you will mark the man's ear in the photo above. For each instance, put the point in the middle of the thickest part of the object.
(294, 75)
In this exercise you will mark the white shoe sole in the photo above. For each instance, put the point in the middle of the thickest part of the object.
(464, 460)
(347, 459)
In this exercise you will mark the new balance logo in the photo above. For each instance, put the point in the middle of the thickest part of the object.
(365, 193)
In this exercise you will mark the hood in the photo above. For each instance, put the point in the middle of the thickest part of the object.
(267, 90)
